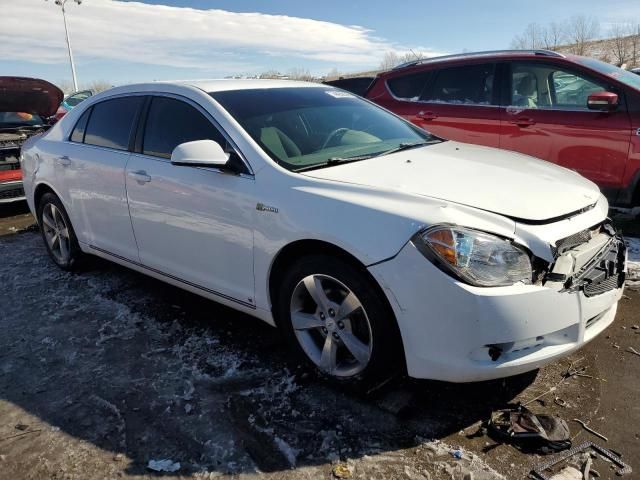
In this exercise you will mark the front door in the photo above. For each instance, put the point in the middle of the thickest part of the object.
(547, 117)
(191, 223)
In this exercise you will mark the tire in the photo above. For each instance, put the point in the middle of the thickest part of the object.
(57, 233)
(323, 337)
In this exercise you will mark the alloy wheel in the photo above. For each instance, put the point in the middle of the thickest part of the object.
(331, 325)
(56, 233)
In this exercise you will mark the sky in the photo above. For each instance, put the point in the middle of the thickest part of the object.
(125, 41)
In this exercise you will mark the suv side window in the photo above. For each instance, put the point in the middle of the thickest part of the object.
(544, 85)
(111, 122)
(408, 87)
(171, 122)
(464, 85)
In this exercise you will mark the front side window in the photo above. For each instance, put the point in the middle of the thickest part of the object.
(465, 85)
(541, 85)
(111, 122)
(312, 127)
(171, 122)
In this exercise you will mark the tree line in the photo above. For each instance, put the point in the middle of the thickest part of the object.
(581, 35)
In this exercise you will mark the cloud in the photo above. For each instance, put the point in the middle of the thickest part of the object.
(213, 40)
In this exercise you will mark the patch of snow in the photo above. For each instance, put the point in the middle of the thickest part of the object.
(633, 262)
(165, 465)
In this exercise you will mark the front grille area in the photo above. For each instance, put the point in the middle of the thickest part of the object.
(611, 283)
(13, 193)
(575, 240)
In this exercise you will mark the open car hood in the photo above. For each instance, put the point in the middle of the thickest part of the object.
(514, 185)
(30, 95)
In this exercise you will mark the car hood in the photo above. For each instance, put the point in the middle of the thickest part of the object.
(30, 95)
(499, 181)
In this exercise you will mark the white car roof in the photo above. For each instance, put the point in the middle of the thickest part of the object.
(221, 85)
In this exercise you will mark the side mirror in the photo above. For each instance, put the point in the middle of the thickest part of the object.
(200, 153)
(603, 101)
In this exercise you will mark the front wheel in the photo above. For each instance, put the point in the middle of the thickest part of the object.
(338, 321)
(57, 232)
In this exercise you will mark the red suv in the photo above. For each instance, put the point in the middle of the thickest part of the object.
(577, 112)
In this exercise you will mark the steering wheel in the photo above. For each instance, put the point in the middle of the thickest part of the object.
(338, 132)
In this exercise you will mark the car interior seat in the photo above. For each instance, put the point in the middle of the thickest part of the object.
(278, 143)
(526, 92)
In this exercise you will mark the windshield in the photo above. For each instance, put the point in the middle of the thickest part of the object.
(624, 76)
(18, 119)
(312, 127)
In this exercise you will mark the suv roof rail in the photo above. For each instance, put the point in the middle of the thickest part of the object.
(419, 61)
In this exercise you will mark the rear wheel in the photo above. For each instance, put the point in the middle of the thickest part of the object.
(337, 320)
(57, 232)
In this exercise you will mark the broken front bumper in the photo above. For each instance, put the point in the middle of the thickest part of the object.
(457, 332)
(11, 192)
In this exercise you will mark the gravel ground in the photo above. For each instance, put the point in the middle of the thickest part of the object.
(107, 374)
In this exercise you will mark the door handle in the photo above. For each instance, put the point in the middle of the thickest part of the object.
(523, 122)
(427, 116)
(64, 161)
(140, 176)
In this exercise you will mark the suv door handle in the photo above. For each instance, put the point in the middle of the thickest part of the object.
(64, 161)
(140, 176)
(523, 122)
(427, 116)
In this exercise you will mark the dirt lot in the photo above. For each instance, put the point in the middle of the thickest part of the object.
(104, 371)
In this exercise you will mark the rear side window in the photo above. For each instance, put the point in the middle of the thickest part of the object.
(408, 87)
(78, 132)
(465, 85)
(111, 122)
(171, 122)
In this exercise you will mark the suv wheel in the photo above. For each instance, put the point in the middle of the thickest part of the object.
(57, 232)
(336, 319)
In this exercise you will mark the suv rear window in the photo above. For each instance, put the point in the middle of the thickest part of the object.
(111, 121)
(408, 87)
(467, 85)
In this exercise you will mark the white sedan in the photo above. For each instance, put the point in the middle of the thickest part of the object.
(375, 246)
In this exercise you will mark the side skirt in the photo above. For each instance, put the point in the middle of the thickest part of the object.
(183, 284)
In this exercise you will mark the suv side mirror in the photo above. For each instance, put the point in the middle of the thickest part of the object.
(603, 101)
(200, 153)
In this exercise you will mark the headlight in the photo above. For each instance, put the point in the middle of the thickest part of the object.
(475, 257)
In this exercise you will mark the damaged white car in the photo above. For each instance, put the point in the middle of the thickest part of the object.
(373, 245)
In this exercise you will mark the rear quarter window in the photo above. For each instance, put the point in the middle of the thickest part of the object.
(408, 87)
(78, 131)
(111, 122)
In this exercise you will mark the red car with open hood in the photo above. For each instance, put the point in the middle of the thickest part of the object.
(26, 104)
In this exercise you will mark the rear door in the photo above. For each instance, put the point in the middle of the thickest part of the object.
(461, 103)
(546, 116)
(193, 224)
(91, 170)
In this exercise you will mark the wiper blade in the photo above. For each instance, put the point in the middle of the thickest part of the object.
(335, 161)
(409, 146)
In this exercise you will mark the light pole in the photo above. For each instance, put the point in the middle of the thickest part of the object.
(61, 4)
